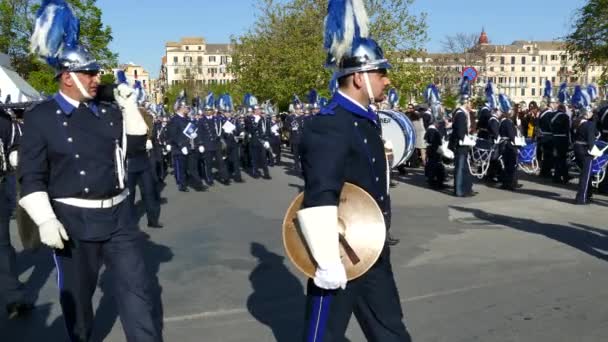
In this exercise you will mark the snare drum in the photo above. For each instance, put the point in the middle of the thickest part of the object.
(399, 130)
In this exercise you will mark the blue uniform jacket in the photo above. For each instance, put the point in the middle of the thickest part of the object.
(343, 143)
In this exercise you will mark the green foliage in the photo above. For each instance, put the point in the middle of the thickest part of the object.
(282, 54)
(17, 24)
(589, 37)
(108, 79)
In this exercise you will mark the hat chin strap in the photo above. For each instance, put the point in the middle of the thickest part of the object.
(368, 85)
(80, 87)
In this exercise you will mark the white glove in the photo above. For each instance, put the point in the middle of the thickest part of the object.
(149, 144)
(52, 233)
(13, 159)
(134, 121)
(266, 145)
(193, 135)
(168, 148)
(320, 230)
(331, 277)
(201, 149)
(185, 151)
(38, 206)
(388, 145)
(242, 135)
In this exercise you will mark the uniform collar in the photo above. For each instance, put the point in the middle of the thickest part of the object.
(68, 105)
(352, 106)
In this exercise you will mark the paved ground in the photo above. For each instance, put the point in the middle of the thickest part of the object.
(502, 266)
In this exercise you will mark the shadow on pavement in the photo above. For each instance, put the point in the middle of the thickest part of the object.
(278, 299)
(590, 240)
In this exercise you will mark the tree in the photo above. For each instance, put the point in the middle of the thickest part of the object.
(588, 40)
(282, 54)
(108, 79)
(17, 23)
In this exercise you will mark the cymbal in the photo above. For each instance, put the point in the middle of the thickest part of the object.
(361, 227)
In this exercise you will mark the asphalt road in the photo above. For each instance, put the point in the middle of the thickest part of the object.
(501, 266)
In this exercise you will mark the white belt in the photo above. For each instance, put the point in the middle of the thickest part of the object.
(95, 204)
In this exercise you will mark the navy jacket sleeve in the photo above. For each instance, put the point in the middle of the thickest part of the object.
(324, 147)
(33, 169)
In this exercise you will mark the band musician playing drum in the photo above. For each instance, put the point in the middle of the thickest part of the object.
(347, 132)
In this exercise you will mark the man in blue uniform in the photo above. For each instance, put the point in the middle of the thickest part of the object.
(545, 135)
(231, 135)
(210, 134)
(73, 187)
(347, 132)
(584, 144)
(11, 290)
(258, 132)
(560, 128)
(508, 150)
(179, 144)
(461, 143)
(602, 127)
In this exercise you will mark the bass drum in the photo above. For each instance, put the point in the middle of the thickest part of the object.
(399, 130)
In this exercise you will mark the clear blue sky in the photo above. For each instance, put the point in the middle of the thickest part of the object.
(142, 27)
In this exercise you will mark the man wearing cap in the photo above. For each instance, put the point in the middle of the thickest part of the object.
(461, 144)
(343, 143)
(72, 178)
(210, 128)
(545, 137)
(179, 144)
(258, 131)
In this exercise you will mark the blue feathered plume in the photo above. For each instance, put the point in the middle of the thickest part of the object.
(465, 86)
(504, 103)
(581, 98)
(295, 100)
(333, 84)
(210, 101)
(563, 95)
(246, 99)
(491, 98)
(227, 102)
(121, 77)
(393, 97)
(548, 89)
(346, 21)
(312, 96)
(56, 28)
(139, 92)
(431, 95)
(592, 90)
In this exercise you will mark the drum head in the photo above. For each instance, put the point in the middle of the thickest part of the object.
(398, 128)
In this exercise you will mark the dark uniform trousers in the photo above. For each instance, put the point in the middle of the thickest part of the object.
(509, 158)
(258, 158)
(193, 160)
(209, 156)
(560, 148)
(584, 161)
(117, 245)
(11, 290)
(234, 160)
(546, 157)
(275, 145)
(434, 169)
(378, 313)
(463, 182)
(140, 173)
(180, 166)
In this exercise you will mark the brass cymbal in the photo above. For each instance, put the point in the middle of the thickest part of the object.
(361, 227)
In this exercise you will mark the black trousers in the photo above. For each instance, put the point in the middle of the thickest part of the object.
(194, 170)
(584, 160)
(180, 165)
(208, 157)
(463, 182)
(295, 150)
(11, 290)
(374, 300)
(509, 173)
(258, 159)
(149, 192)
(547, 160)
(560, 146)
(77, 273)
(434, 169)
(160, 165)
(234, 161)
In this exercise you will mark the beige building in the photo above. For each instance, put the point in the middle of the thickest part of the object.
(192, 59)
(518, 70)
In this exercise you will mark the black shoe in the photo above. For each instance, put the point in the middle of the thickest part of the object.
(471, 194)
(239, 180)
(155, 225)
(184, 189)
(17, 309)
(267, 177)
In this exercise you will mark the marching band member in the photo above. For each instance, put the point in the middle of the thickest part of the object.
(231, 131)
(210, 130)
(584, 143)
(487, 128)
(178, 144)
(461, 143)
(343, 143)
(560, 127)
(545, 135)
(508, 148)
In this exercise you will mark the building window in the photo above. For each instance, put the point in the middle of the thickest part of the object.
(512, 68)
(199, 70)
(199, 60)
(533, 80)
(543, 69)
(176, 71)
(223, 60)
(533, 91)
(187, 48)
(564, 58)
(523, 91)
(502, 60)
(491, 58)
(175, 59)
(200, 48)
(593, 79)
(211, 58)
(502, 68)
(533, 58)
(533, 68)
(512, 59)
(554, 58)
(523, 60)
(553, 79)
(523, 68)
(491, 68)
(552, 68)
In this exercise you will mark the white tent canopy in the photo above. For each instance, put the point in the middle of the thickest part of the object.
(11, 83)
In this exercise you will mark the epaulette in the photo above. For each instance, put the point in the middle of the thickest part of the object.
(330, 109)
